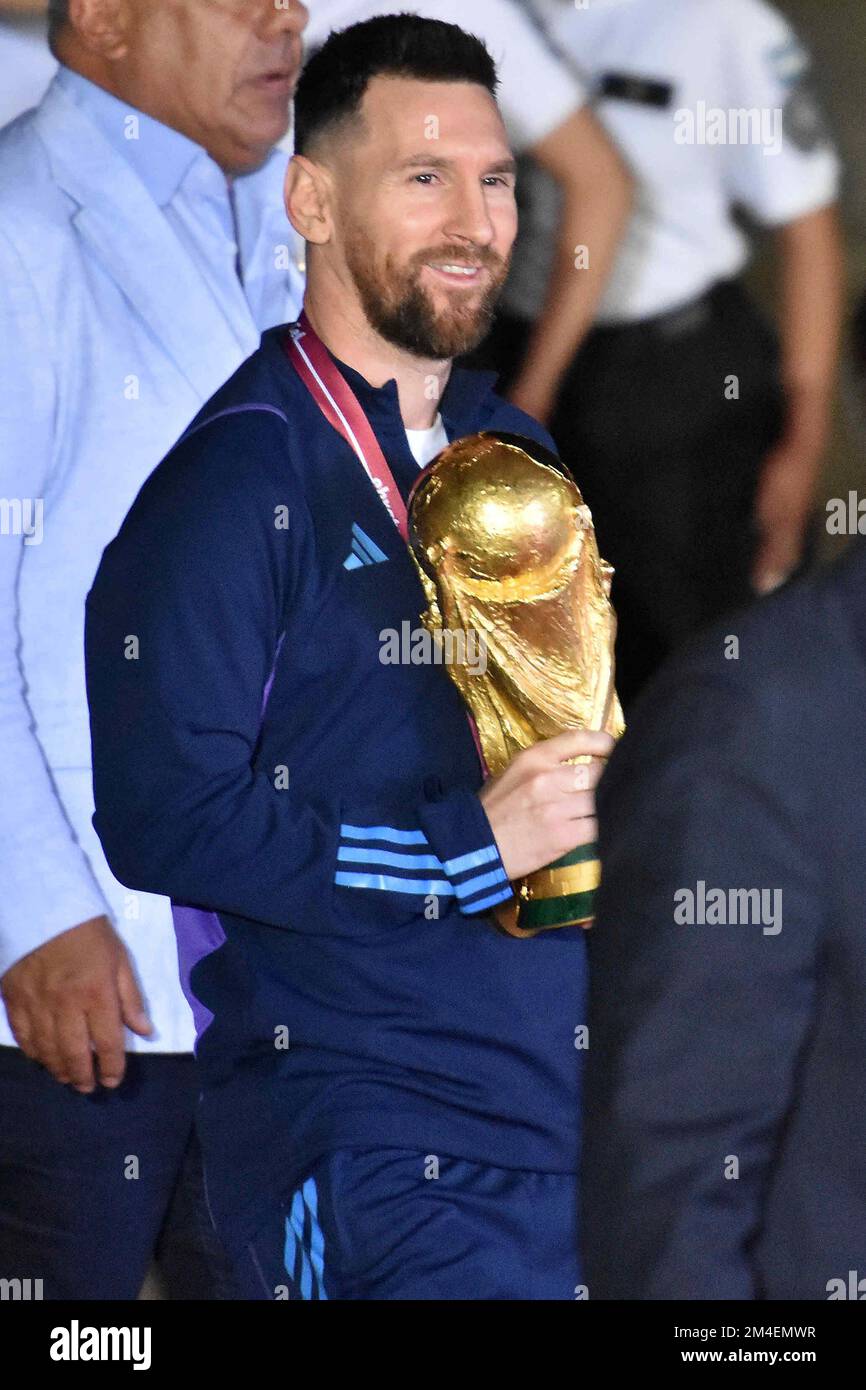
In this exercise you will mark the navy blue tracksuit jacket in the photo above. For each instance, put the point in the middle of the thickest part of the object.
(352, 988)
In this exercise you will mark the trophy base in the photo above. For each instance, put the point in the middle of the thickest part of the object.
(562, 895)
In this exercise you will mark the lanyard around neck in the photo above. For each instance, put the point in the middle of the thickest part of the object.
(342, 409)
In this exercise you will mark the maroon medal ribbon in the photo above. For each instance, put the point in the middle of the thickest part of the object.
(342, 409)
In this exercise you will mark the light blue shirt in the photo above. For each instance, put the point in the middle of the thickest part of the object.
(26, 63)
(133, 283)
(220, 230)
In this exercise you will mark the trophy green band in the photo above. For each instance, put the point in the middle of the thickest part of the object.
(563, 894)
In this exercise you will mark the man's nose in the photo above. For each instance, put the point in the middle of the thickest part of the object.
(469, 216)
(283, 16)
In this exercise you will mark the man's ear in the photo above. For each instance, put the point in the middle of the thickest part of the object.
(102, 26)
(308, 200)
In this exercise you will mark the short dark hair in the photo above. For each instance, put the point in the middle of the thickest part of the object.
(336, 77)
(58, 14)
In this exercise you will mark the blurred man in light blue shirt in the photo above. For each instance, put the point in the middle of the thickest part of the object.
(143, 250)
(26, 61)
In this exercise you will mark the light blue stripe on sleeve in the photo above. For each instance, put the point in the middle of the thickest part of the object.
(438, 887)
(294, 1242)
(383, 832)
(317, 1235)
(471, 861)
(475, 885)
(487, 903)
(387, 857)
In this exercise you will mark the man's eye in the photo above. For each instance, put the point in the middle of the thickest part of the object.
(418, 178)
(494, 180)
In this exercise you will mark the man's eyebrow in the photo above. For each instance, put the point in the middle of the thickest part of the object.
(428, 161)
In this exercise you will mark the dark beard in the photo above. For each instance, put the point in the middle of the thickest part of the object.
(399, 308)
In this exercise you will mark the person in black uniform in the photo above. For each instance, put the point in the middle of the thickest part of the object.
(695, 435)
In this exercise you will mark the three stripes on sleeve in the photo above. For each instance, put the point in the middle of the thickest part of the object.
(384, 859)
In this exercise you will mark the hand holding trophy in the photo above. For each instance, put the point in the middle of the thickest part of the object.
(506, 550)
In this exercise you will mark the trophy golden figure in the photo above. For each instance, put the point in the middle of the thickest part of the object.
(506, 552)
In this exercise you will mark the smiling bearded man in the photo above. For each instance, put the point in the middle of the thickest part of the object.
(390, 1086)
(402, 311)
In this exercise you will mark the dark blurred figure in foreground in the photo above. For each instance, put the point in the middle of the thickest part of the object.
(695, 439)
(726, 1118)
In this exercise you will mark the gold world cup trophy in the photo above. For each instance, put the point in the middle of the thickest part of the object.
(507, 555)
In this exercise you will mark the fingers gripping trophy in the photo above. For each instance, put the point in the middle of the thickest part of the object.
(506, 551)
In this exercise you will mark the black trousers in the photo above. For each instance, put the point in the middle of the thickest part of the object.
(93, 1188)
(667, 461)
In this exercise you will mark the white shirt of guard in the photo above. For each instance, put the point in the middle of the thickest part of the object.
(537, 91)
(121, 312)
(659, 71)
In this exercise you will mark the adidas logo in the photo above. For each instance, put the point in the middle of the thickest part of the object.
(363, 552)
